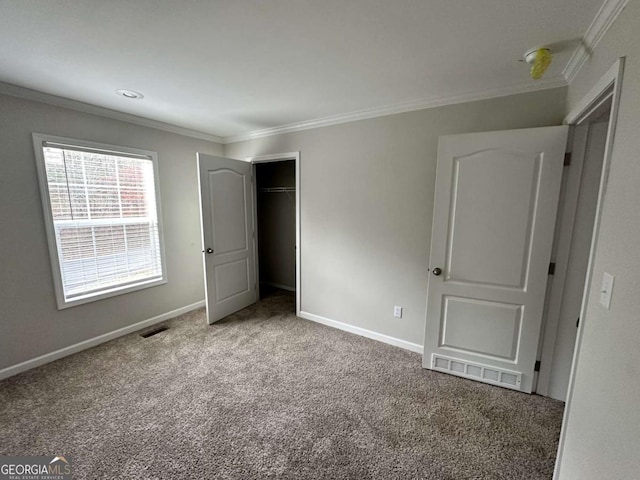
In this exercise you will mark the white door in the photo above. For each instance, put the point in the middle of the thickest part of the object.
(494, 216)
(226, 211)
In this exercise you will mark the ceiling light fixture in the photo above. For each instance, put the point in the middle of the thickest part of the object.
(539, 59)
(131, 94)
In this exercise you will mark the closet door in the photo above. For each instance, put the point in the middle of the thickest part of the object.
(226, 202)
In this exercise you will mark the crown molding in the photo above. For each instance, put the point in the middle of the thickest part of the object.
(553, 82)
(603, 20)
(21, 92)
(28, 94)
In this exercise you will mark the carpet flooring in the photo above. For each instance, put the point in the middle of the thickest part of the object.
(263, 394)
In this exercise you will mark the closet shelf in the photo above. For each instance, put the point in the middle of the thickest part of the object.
(277, 189)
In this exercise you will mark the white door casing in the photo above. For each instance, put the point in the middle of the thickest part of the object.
(494, 217)
(228, 242)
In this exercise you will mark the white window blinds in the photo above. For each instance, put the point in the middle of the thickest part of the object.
(105, 220)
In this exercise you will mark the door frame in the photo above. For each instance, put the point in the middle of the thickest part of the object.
(279, 157)
(565, 224)
(581, 114)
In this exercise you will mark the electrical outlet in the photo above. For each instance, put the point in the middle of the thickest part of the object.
(397, 311)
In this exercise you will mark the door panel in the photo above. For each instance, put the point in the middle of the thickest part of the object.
(494, 215)
(474, 218)
(231, 279)
(226, 201)
(494, 332)
(228, 213)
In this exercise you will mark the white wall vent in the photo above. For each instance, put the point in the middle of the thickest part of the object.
(476, 371)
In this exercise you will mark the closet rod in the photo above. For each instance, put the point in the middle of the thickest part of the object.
(277, 189)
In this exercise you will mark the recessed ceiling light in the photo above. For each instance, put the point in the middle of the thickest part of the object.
(129, 94)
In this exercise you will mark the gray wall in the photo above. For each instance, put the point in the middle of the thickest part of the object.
(367, 199)
(30, 324)
(603, 420)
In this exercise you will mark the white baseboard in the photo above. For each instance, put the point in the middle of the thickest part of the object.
(396, 342)
(92, 342)
(280, 286)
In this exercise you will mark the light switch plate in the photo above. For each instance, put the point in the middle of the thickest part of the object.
(606, 289)
(397, 311)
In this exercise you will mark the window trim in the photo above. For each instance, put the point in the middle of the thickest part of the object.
(39, 139)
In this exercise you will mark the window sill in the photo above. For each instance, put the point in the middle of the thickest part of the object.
(112, 292)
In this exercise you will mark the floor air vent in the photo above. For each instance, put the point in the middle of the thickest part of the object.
(153, 331)
(476, 371)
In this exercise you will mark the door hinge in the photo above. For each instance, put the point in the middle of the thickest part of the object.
(567, 159)
(536, 367)
(552, 268)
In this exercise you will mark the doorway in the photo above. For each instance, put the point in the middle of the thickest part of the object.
(228, 211)
(450, 345)
(572, 243)
(275, 184)
(277, 222)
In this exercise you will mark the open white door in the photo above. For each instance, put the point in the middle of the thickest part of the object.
(226, 211)
(494, 217)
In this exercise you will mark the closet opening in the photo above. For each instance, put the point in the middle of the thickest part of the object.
(276, 220)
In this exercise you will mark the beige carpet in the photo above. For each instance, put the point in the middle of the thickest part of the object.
(264, 394)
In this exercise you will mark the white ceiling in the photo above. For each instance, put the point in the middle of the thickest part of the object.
(228, 67)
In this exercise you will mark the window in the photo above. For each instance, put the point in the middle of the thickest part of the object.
(101, 207)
